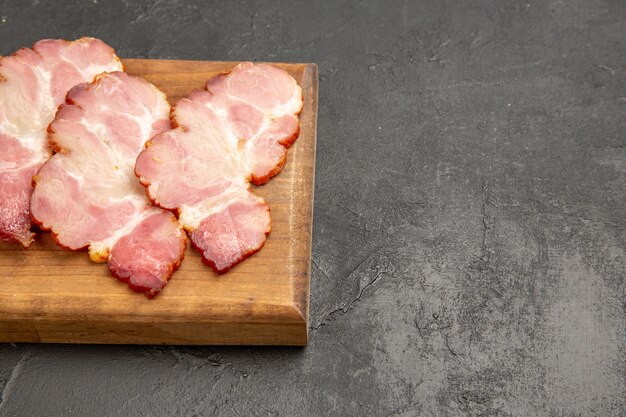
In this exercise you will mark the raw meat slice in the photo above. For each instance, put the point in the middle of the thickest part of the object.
(87, 193)
(235, 132)
(33, 82)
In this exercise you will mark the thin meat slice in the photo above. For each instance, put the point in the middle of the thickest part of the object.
(87, 193)
(236, 131)
(33, 82)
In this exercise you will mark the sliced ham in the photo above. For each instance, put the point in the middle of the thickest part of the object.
(33, 82)
(236, 131)
(87, 193)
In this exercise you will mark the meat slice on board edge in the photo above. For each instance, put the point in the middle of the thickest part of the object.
(235, 132)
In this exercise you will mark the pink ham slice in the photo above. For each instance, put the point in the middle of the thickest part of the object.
(236, 132)
(87, 193)
(33, 82)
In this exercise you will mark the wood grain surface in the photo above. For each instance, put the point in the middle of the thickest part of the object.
(48, 294)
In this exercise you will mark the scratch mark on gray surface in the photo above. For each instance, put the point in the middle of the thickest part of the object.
(606, 68)
(355, 355)
(15, 373)
(321, 269)
(484, 253)
(447, 343)
(401, 410)
(211, 360)
(345, 309)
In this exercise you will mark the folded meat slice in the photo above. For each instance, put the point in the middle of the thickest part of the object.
(33, 82)
(87, 193)
(235, 132)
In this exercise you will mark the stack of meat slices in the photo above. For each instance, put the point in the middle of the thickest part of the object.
(114, 128)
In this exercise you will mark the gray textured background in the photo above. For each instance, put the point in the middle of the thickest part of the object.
(469, 238)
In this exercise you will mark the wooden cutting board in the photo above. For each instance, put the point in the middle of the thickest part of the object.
(48, 294)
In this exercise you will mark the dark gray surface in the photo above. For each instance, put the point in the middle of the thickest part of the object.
(469, 214)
